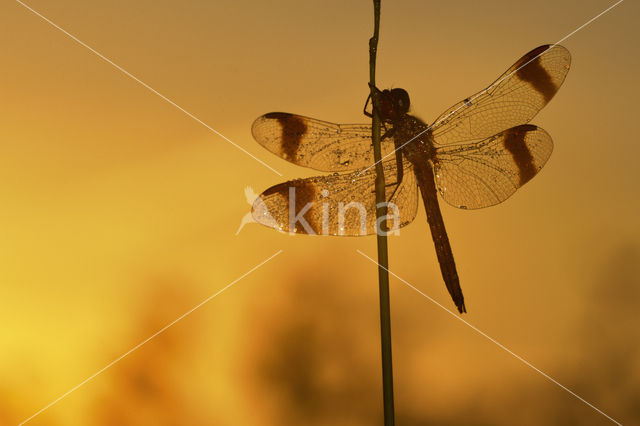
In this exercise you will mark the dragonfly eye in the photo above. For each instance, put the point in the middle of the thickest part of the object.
(400, 100)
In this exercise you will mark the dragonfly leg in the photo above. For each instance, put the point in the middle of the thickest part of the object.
(399, 167)
(387, 132)
(399, 174)
(366, 104)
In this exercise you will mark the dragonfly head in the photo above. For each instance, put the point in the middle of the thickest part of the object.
(394, 104)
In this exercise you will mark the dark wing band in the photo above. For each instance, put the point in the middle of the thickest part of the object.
(316, 144)
(481, 174)
(337, 204)
(513, 99)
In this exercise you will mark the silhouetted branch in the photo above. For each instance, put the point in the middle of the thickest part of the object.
(381, 211)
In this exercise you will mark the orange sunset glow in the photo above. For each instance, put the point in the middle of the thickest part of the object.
(131, 294)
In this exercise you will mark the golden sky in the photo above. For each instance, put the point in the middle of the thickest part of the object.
(119, 214)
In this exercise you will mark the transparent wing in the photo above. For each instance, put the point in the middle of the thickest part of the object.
(317, 144)
(337, 204)
(481, 174)
(513, 99)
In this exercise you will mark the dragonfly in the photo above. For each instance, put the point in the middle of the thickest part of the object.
(476, 154)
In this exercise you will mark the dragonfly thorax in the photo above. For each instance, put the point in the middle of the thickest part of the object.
(413, 136)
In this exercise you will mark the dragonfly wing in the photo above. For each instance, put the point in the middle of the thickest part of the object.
(513, 99)
(485, 173)
(316, 144)
(337, 204)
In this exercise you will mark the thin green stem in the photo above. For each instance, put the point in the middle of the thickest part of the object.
(381, 211)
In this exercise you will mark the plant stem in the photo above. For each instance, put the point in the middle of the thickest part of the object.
(381, 211)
